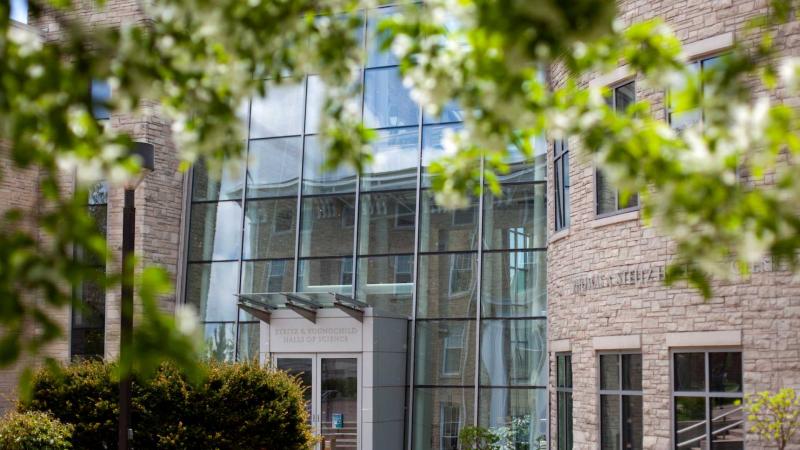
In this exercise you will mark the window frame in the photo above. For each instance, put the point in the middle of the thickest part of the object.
(445, 373)
(706, 393)
(619, 392)
(617, 210)
(561, 200)
(567, 390)
(97, 198)
(455, 271)
(400, 262)
(701, 60)
(449, 406)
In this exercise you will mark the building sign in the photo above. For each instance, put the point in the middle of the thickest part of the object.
(631, 276)
(327, 335)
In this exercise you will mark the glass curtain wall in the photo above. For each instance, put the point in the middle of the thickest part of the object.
(470, 281)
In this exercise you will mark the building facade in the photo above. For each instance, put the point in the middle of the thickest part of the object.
(541, 314)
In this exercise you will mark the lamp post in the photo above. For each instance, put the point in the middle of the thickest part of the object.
(146, 154)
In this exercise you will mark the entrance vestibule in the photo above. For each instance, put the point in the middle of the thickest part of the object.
(333, 383)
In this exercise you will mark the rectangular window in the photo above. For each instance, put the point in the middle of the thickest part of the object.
(460, 274)
(88, 317)
(680, 120)
(561, 179)
(403, 269)
(608, 199)
(707, 396)
(453, 349)
(101, 95)
(621, 401)
(564, 401)
(449, 425)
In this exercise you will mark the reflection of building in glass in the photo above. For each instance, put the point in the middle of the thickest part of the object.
(471, 281)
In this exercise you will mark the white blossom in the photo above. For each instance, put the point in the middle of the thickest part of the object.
(790, 72)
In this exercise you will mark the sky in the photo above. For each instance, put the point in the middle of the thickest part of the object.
(19, 10)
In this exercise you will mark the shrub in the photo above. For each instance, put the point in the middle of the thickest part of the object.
(33, 430)
(237, 406)
(774, 417)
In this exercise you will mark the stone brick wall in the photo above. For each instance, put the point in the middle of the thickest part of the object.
(765, 308)
(159, 198)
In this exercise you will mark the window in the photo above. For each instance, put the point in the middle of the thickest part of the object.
(608, 199)
(87, 338)
(707, 396)
(449, 425)
(402, 269)
(101, 95)
(564, 401)
(346, 277)
(460, 273)
(621, 401)
(19, 11)
(277, 269)
(684, 119)
(453, 348)
(404, 215)
(561, 179)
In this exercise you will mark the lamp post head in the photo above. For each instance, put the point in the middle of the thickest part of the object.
(146, 154)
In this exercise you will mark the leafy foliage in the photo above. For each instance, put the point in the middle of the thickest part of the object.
(707, 186)
(237, 406)
(478, 438)
(774, 416)
(34, 431)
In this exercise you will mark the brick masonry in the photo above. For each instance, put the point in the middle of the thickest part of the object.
(765, 308)
(159, 198)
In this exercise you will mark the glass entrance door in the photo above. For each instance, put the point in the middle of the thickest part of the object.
(301, 367)
(339, 401)
(332, 384)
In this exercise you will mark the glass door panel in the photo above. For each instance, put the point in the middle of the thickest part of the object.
(338, 411)
(303, 369)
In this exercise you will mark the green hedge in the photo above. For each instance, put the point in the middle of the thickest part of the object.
(33, 430)
(238, 406)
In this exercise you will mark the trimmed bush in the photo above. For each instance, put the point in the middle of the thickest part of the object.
(237, 406)
(33, 430)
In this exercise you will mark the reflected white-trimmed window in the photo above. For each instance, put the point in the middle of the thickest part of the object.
(346, 278)
(460, 274)
(403, 269)
(452, 349)
(277, 270)
(449, 425)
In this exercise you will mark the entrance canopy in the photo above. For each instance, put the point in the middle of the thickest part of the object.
(305, 304)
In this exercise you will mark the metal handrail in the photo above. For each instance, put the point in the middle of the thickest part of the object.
(726, 428)
(691, 427)
(703, 422)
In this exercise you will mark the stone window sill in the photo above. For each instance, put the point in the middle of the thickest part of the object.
(558, 235)
(617, 218)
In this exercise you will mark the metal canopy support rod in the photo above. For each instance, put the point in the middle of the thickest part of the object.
(260, 314)
(356, 313)
(302, 306)
(350, 306)
(349, 301)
